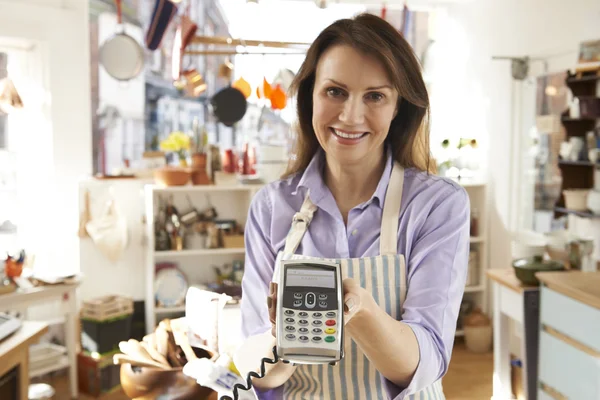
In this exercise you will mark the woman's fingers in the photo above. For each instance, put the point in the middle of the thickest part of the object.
(272, 305)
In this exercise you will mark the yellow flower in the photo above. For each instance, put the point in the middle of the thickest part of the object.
(176, 141)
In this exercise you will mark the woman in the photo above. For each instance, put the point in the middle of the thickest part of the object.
(361, 190)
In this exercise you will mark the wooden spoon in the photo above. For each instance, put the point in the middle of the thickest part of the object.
(126, 359)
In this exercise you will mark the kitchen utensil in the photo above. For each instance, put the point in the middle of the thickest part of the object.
(229, 105)
(243, 86)
(9, 97)
(152, 383)
(136, 361)
(162, 340)
(226, 69)
(190, 217)
(121, 55)
(525, 268)
(183, 35)
(163, 13)
(170, 286)
(156, 356)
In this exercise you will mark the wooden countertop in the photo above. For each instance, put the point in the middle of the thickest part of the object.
(28, 333)
(581, 286)
(507, 277)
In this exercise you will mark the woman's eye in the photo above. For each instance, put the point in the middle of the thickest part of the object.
(334, 92)
(376, 97)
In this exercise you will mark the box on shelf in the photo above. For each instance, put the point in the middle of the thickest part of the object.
(97, 376)
(233, 241)
(105, 322)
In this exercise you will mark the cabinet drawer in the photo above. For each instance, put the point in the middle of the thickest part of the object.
(570, 371)
(571, 317)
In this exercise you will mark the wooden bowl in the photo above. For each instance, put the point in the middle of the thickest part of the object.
(152, 383)
(172, 176)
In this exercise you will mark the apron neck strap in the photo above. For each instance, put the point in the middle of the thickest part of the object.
(388, 241)
(299, 225)
(389, 220)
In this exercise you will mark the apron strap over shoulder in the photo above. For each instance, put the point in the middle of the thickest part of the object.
(388, 241)
(299, 227)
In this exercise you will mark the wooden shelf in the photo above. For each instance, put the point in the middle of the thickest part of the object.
(583, 79)
(205, 188)
(576, 163)
(200, 252)
(581, 120)
(585, 214)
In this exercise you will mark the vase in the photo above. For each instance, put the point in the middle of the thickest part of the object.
(199, 160)
(199, 174)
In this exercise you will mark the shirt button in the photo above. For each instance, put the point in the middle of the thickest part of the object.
(354, 232)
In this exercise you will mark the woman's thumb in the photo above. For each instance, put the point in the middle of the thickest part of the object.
(351, 306)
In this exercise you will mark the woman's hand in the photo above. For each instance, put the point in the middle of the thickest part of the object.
(357, 301)
(272, 304)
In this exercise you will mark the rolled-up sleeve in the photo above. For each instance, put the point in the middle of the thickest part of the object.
(258, 266)
(437, 270)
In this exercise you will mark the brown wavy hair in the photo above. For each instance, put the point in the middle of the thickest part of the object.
(408, 135)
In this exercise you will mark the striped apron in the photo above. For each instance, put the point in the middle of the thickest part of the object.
(354, 377)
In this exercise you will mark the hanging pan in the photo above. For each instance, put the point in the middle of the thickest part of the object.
(121, 55)
(229, 105)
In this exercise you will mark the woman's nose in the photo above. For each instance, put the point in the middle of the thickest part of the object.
(353, 112)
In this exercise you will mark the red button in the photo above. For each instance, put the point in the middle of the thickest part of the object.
(330, 322)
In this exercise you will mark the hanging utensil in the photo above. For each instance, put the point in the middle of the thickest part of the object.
(121, 55)
(164, 11)
(229, 105)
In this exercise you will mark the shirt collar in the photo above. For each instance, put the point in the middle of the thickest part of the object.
(312, 180)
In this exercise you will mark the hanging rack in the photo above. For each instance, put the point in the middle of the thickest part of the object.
(244, 42)
(239, 53)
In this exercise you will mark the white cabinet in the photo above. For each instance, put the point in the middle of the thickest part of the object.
(569, 356)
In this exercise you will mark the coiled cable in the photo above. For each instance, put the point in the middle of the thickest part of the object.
(253, 374)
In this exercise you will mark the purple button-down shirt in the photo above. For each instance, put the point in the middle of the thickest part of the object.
(433, 235)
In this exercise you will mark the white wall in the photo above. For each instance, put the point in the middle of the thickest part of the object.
(482, 99)
(60, 30)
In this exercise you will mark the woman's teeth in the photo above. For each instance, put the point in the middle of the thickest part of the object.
(348, 135)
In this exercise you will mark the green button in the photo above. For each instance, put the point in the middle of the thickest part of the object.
(330, 339)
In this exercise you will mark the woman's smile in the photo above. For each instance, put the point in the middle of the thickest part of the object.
(348, 137)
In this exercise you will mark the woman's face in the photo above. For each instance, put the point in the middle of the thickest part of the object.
(353, 105)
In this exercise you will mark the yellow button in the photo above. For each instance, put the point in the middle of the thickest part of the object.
(329, 331)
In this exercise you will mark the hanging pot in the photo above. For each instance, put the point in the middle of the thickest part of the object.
(183, 36)
(229, 105)
(121, 55)
(164, 11)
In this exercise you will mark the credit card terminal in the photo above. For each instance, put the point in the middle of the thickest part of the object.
(309, 315)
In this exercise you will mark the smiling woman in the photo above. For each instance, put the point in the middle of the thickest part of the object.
(356, 86)
(360, 194)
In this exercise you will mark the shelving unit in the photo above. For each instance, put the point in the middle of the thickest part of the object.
(478, 294)
(231, 202)
(578, 174)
